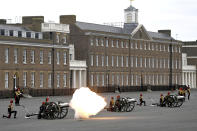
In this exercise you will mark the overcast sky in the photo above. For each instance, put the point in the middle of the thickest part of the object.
(178, 15)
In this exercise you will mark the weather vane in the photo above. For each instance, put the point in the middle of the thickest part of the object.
(131, 2)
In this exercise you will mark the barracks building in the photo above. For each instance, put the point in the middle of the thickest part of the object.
(54, 59)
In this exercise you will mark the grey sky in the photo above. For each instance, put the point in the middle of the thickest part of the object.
(178, 15)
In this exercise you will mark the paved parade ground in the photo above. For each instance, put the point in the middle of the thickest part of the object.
(144, 118)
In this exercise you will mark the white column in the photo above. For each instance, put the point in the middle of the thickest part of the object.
(192, 82)
(183, 78)
(80, 79)
(84, 80)
(189, 79)
(74, 79)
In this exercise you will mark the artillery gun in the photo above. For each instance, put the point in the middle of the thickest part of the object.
(125, 104)
(51, 110)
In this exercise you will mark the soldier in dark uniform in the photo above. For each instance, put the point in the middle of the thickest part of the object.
(141, 100)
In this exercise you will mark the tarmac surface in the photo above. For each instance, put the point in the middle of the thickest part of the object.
(142, 118)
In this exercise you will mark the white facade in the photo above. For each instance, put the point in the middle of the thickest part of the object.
(188, 73)
(77, 70)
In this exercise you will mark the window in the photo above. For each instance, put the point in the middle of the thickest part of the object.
(122, 80)
(57, 38)
(112, 61)
(117, 44)
(127, 61)
(136, 80)
(96, 60)
(153, 46)
(97, 80)
(127, 80)
(107, 62)
(149, 46)
(32, 79)
(117, 63)
(157, 62)
(149, 62)
(37, 35)
(127, 45)
(97, 42)
(58, 80)
(49, 57)
(122, 61)
(70, 56)
(103, 80)
(140, 45)
(160, 63)
(144, 46)
(122, 44)
(92, 80)
(24, 79)
(41, 79)
(102, 61)
(32, 56)
(160, 47)
(107, 80)
(140, 61)
(41, 57)
(136, 45)
(118, 80)
(112, 79)
(102, 43)
(28, 34)
(15, 56)
(49, 80)
(19, 33)
(11, 33)
(164, 63)
(24, 56)
(131, 45)
(131, 61)
(2, 32)
(153, 63)
(106, 42)
(7, 55)
(112, 43)
(132, 80)
(92, 60)
(65, 80)
(58, 57)
(156, 47)
(64, 40)
(136, 62)
(145, 62)
(6, 80)
(65, 58)
(91, 41)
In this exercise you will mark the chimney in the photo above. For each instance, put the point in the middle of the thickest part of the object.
(2, 21)
(33, 22)
(167, 32)
(67, 19)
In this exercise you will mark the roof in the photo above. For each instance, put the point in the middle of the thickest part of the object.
(131, 8)
(128, 29)
(11, 27)
(102, 28)
(159, 35)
